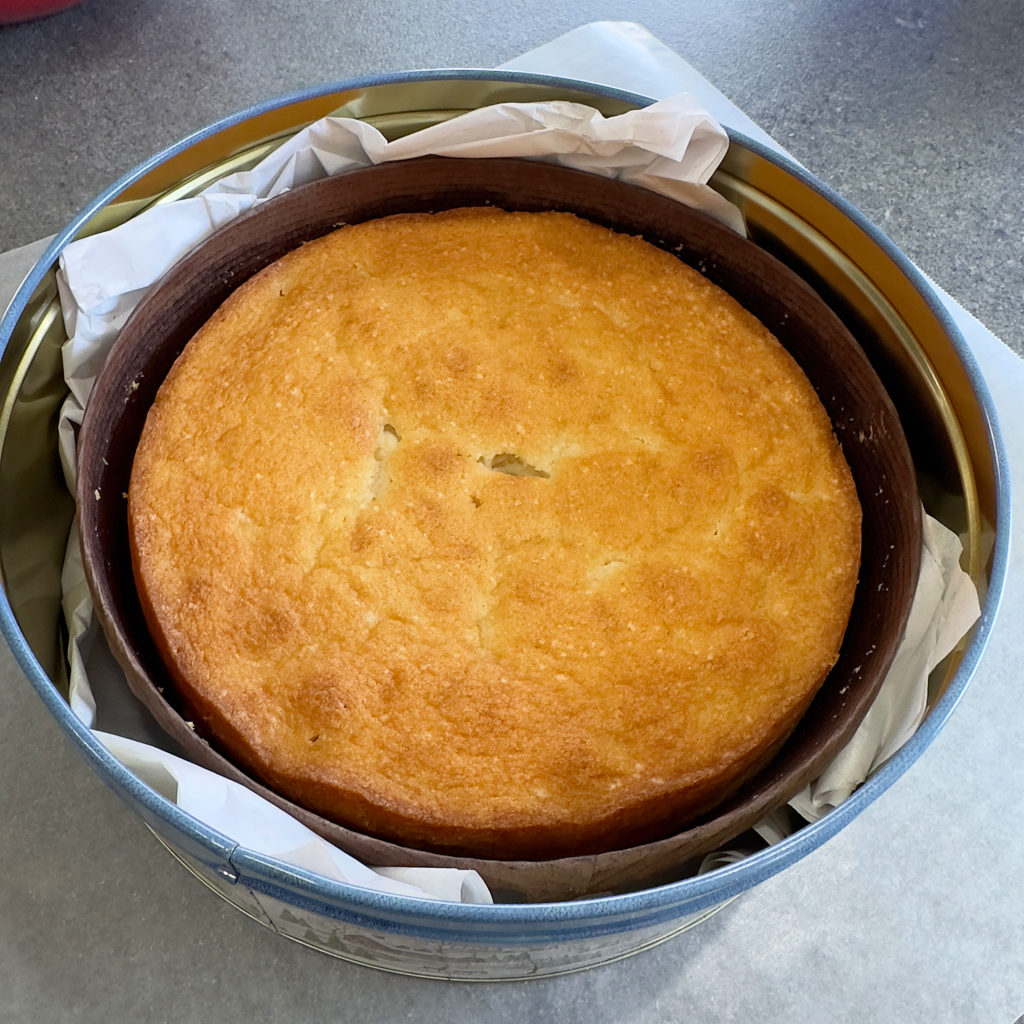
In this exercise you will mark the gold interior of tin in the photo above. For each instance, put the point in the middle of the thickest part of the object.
(37, 509)
(892, 321)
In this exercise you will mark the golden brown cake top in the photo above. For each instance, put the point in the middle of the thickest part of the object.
(494, 532)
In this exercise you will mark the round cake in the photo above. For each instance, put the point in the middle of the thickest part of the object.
(492, 533)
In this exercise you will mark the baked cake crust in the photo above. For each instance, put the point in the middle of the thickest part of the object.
(493, 533)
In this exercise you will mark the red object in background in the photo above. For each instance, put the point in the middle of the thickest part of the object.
(23, 10)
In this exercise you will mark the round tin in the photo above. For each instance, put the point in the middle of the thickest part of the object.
(886, 303)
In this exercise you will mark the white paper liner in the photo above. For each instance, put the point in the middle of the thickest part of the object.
(262, 828)
(673, 147)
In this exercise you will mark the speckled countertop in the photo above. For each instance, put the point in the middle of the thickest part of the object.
(915, 911)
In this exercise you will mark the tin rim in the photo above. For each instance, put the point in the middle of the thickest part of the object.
(695, 893)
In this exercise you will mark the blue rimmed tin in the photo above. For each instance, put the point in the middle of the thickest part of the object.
(883, 299)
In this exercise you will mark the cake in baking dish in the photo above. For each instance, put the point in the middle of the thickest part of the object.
(492, 533)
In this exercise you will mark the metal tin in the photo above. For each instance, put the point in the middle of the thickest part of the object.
(885, 301)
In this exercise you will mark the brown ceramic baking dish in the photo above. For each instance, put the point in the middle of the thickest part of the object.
(864, 419)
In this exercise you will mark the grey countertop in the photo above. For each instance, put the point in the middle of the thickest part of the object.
(915, 911)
